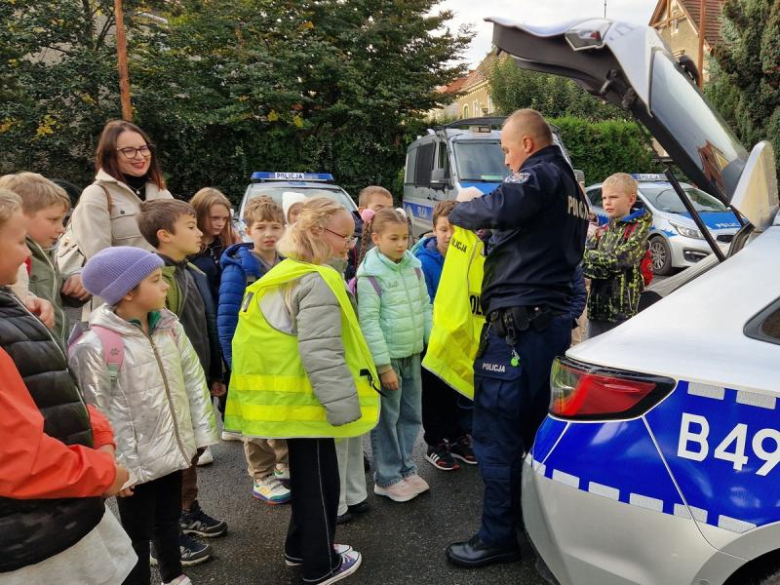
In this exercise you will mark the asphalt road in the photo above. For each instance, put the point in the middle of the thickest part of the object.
(400, 543)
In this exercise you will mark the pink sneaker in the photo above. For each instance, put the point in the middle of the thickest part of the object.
(398, 492)
(417, 483)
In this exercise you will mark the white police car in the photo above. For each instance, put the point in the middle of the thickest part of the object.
(274, 185)
(675, 240)
(659, 463)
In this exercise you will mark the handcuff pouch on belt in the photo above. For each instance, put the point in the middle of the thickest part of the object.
(511, 322)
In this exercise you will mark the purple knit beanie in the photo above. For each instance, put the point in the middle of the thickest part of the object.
(113, 272)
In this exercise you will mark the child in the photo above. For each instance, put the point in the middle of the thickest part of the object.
(447, 440)
(302, 370)
(291, 204)
(170, 227)
(613, 256)
(395, 316)
(213, 211)
(56, 454)
(373, 198)
(242, 265)
(45, 206)
(157, 400)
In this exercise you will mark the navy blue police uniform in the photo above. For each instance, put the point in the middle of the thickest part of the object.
(540, 218)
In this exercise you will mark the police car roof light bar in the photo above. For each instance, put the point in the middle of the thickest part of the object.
(585, 392)
(265, 176)
(706, 234)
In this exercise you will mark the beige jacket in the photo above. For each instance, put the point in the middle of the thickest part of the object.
(96, 229)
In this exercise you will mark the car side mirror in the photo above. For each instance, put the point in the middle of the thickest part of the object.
(438, 180)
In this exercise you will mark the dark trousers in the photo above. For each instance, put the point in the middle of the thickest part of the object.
(315, 485)
(441, 415)
(510, 402)
(152, 513)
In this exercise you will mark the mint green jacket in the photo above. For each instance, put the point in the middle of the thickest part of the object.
(393, 306)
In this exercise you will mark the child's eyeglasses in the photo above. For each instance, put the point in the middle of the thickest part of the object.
(350, 241)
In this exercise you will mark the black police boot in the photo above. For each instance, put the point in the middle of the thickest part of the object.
(475, 554)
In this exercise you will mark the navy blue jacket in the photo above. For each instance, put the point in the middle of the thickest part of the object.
(208, 262)
(240, 267)
(540, 222)
(432, 264)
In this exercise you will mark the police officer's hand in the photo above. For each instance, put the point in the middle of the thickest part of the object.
(389, 380)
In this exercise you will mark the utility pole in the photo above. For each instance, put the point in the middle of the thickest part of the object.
(121, 54)
(702, 31)
(605, 8)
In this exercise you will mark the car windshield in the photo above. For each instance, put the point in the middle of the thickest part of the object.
(667, 200)
(480, 161)
(275, 191)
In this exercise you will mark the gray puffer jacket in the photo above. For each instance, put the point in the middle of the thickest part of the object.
(310, 310)
(159, 405)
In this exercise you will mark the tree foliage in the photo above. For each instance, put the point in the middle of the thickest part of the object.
(602, 148)
(512, 88)
(226, 87)
(745, 84)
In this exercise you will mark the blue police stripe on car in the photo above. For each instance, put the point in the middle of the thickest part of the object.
(484, 187)
(419, 211)
(706, 453)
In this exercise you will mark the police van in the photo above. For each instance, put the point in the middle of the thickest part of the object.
(276, 184)
(659, 461)
(675, 240)
(464, 153)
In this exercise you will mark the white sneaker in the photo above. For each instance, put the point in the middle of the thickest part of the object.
(341, 549)
(232, 436)
(282, 473)
(271, 491)
(180, 580)
(417, 483)
(206, 458)
(349, 564)
(398, 492)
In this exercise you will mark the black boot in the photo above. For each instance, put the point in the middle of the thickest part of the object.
(475, 554)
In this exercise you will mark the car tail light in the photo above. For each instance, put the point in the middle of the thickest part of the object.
(584, 392)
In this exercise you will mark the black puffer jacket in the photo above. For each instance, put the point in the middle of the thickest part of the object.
(34, 530)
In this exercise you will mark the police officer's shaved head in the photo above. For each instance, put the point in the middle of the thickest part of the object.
(527, 122)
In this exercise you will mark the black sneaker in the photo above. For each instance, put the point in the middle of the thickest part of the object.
(192, 552)
(461, 449)
(359, 508)
(344, 518)
(197, 522)
(441, 458)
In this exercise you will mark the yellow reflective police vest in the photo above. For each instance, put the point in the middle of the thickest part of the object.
(270, 393)
(457, 313)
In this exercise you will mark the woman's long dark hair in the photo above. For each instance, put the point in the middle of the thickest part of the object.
(106, 157)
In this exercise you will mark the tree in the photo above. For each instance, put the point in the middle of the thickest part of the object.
(58, 83)
(512, 88)
(745, 85)
(228, 87)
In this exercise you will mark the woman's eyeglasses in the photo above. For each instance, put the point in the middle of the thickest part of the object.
(350, 241)
(129, 152)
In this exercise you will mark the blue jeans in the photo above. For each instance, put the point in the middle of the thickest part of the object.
(400, 421)
(510, 402)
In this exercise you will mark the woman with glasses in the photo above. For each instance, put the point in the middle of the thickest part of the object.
(128, 173)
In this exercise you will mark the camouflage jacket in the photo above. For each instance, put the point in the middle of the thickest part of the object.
(612, 261)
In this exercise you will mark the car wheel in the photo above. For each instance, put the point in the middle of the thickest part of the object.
(662, 256)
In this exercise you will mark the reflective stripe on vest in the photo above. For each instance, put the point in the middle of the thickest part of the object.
(270, 393)
(457, 313)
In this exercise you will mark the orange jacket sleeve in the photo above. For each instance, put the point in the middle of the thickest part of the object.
(35, 465)
(102, 432)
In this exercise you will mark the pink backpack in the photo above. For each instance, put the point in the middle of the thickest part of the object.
(113, 347)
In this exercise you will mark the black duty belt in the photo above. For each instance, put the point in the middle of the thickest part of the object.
(509, 323)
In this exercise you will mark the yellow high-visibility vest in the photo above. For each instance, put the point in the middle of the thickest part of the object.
(457, 313)
(270, 393)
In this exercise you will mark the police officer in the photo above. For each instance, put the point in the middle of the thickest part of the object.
(539, 220)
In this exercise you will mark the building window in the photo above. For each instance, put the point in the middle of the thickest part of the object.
(466, 111)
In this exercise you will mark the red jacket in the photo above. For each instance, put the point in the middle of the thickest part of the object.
(35, 465)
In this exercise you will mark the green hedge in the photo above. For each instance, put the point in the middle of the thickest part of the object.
(600, 149)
